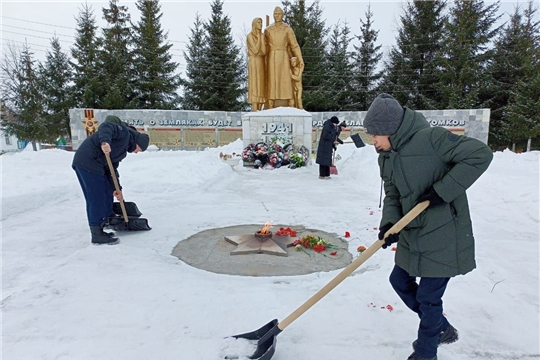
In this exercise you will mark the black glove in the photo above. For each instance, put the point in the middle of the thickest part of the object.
(391, 239)
(432, 196)
(334, 146)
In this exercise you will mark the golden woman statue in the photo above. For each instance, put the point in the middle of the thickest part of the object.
(256, 45)
(281, 45)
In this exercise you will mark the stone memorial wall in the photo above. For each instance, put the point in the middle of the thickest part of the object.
(193, 130)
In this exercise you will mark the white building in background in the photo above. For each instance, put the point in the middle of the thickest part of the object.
(9, 143)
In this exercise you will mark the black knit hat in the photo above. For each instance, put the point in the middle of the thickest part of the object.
(384, 116)
(343, 124)
(142, 140)
(334, 119)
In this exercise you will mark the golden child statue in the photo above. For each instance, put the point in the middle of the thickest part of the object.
(296, 75)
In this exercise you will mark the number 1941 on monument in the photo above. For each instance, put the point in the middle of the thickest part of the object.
(276, 128)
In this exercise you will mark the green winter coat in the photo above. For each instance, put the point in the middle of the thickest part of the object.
(439, 242)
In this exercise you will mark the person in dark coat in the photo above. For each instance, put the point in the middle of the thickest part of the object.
(418, 163)
(326, 145)
(342, 126)
(117, 139)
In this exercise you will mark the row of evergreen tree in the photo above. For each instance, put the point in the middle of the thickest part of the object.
(447, 56)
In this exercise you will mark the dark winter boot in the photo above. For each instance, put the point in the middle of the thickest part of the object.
(447, 336)
(100, 237)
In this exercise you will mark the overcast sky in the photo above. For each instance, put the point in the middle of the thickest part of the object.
(37, 21)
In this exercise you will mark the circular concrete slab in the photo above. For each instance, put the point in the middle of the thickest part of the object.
(208, 250)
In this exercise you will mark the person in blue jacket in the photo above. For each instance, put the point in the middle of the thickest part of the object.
(115, 138)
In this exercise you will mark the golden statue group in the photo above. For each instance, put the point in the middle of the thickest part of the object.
(275, 65)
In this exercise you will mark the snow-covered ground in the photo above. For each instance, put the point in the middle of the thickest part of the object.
(63, 298)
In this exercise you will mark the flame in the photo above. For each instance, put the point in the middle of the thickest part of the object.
(266, 228)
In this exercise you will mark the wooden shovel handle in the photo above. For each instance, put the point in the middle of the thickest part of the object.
(116, 186)
(404, 221)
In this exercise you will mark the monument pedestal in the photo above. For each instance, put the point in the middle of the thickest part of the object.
(281, 122)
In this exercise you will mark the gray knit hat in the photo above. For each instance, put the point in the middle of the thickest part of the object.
(142, 140)
(384, 116)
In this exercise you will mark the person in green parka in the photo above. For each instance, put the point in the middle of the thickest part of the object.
(417, 163)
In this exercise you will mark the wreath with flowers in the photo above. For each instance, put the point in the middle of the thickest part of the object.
(275, 155)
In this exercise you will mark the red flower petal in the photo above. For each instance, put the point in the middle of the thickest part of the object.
(347, 234)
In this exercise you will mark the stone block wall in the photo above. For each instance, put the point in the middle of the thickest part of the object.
(183, 129)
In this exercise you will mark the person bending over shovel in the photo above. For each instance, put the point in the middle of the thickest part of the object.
(115, 138)
(342, 126)
(419, 163)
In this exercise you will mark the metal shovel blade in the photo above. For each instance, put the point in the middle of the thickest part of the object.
(266, 346)
(134, 224)
(131, 209)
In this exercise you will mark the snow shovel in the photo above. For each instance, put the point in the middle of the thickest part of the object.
(333, 168)
(266, 335)
(131, 223)
(357, 140)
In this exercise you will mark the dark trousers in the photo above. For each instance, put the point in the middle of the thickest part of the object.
(324, 170)
(98, 193)
(425, 299)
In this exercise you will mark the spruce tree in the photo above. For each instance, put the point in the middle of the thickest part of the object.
(513, 62)
(339, 69)
(22, 97)
(157, 81)
(366, 58)
(116, 58)
(54, 80)
(524, 105)
(524, 112)
(223, 69)
(310, 30)
(410, 74)
(86, 89)
(194, 84)
(466, 53)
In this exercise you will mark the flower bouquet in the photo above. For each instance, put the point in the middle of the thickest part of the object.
(317, 243)
(286, 232)
(298, 157)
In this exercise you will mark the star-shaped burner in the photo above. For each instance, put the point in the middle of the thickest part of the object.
(259, 243)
